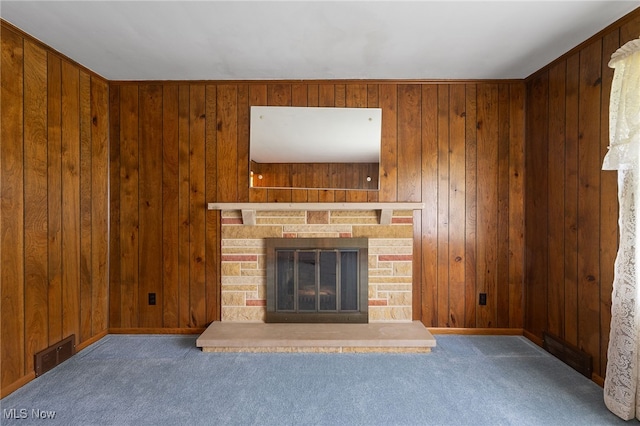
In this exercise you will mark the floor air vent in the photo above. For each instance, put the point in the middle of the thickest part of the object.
(579, 360)
(48, 358)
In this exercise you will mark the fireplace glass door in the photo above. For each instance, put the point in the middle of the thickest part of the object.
(316, 284)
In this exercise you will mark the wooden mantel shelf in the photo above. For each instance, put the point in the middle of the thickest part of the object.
(249, 209)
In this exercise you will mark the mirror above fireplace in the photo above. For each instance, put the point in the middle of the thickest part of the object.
(315, 147)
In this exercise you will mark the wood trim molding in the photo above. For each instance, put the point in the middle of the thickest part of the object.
(17, 384)
(156, 330)
(477, 331)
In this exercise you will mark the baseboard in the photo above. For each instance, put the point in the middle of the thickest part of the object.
(137, 330)
(17, 384)
(91, 340)
(477, 331)
(535, 339)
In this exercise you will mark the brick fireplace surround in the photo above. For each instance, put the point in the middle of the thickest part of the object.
(243, 268)
(389, 230)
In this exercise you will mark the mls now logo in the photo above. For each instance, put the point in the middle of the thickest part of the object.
(23, 413)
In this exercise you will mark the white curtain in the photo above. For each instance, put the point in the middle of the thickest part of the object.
(621, 391)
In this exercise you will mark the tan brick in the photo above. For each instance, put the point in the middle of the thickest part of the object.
(381, 272)
(317, 228)
(229, 242)
(240, 288)
(390, 280)
(318, 235)
(355, 220)
(390, 251)
(251, 232)
(394, 287)
(389, 313)
(354, 213)
(319, 217)
(404, 269)
(243, 314)
(230, 268)
(241, 280)
(232, 298)
(253, 272)
(256, 251)
(280, 220)
(400, 299)
(390, 242)
(383, 231)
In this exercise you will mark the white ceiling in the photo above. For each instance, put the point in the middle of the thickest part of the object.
(264, 40)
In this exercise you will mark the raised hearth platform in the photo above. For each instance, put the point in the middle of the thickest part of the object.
(288, 337)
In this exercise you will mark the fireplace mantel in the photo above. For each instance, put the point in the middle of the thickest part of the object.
(249, 209)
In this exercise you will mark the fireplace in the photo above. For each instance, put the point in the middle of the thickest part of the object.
(243, 266)
(317, 280)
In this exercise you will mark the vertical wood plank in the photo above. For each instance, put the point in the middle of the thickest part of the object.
(150, 145)
(556, 158)
(100, 204)
(588, 197)
(471, 204)
(85, 207)
(243, 143)
(54, 196)
(170, 205)
(129, 214)
(536, 207)
(502, 248)
(227, 137)
(115, 247)
(571, 201)
(12, 350)
(487, 231)
(516, 205)
(71, 197)
(457, 213)
(35, 201)
(184, 196)
(442, 259)
(212, 243)
(197, 232)
(409, 149)
(429, 215)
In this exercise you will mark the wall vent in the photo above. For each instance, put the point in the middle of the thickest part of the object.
(577, 359)
(55, 354)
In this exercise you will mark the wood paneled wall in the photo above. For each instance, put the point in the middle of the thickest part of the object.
(571, 205)
(457, 147)
(55, 209)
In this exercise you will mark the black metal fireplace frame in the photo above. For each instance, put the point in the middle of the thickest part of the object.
(359, 244)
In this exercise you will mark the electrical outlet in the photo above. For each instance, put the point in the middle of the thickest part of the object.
(152, 298)
(483, 299)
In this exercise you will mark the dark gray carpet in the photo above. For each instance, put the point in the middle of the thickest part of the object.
(166, 380)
